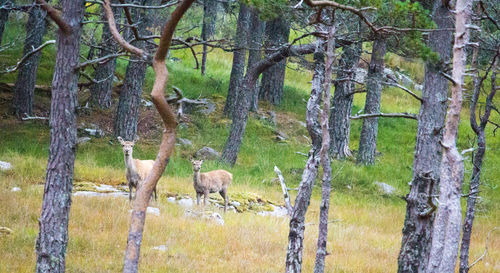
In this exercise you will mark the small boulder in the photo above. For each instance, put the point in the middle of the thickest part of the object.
(207, 153)
(203, 106)
(207, 215)
(146, 103)
(161, 248)
(154, 211)
(5, 166)
(82, 140)
(385, 188)
(184, 142)
(186, 202)
(15, 189)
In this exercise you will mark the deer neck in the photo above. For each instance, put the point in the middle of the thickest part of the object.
(130, 164)
(196, 177)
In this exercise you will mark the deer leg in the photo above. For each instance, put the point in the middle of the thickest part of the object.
(198, 197)
(156, 196)
(205, 198)
(224, 196)
(129, 192)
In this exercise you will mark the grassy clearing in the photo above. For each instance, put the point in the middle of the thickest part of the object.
(367, 238)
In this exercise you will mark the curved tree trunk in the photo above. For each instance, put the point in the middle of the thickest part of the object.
(297, 219)
(277, 34)
(24, 88)
(417, 230)
(131, 92)
(368, 138)
(100, 92)
(255, 51)
(340, 122)
(240, 115)
(52, 240)
(207, 28)
(447, 225)
(239, 54)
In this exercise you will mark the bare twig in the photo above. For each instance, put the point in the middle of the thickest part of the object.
(100, 60)
(25, 57)
(485, 248)
(286, 196)
(405, 89)
(386, 115)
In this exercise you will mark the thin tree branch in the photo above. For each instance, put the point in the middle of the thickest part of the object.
(100, 60)
(485, 248)
(405, 89)
(25, 57)
(116, 35)
(286, 196)
(386, 115)
(54, 14)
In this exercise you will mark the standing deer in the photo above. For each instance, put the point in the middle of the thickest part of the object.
(210, 182)
(137, 170)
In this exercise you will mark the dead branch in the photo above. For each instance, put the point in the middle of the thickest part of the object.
(116, 35)
(286, 196)
(386, 115)
(25, 57)
(27, 117)
(166, 5)
(54, 14)
(404, 89)
(100, 60)
(192, 50)
(485, 248)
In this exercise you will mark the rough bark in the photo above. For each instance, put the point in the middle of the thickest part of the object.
(240, 114)
(297, 220)
(319, 266)
(447, 225)
(340, 122)
(477, 162)
(138, 217)
(129, 103)
(239, 54)
(207, 28)
(417, 230)
(255, 50)
(4, 16)
(100, 92)
(24, 88)
(52, 240)
(368, 138)
(277, 34)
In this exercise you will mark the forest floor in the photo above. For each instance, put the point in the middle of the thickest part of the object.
(365, 234)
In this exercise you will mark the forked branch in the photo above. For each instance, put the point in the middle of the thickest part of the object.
(54, 14)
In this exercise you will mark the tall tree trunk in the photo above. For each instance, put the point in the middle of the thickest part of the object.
(207, 28)
(100, 92)
(255, 50)
(417, 230)
(240, 115)
(24, 88)
(131, 92)
(239, 54)
(319, 266)
(4, 16)
(340, 122)
(52, 240)
(446, 232)
(368, 138)
(277, 34)
(478, 157)
(297, 220)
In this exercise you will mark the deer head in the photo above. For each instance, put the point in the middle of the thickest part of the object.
(128, 146)
(196, 165)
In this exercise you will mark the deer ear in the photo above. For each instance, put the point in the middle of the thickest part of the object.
(120, 139)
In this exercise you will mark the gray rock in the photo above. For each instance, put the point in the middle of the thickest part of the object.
(277, 211)
(405, 80)
(385, 188)
(418, 87)
(184, 142)
(390, 74)
(154, 211)
(15, 189)
(146, 103)
(171, 200)
(203, 106)
(207, 153)
(186, 202)
(272, 117)
(236, 203)
(161, 248)
(82, 140)
(280, 136)
(5, 166)
(207, 215)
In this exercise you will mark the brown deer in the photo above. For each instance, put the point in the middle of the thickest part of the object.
(210, 182)
(137, 170)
